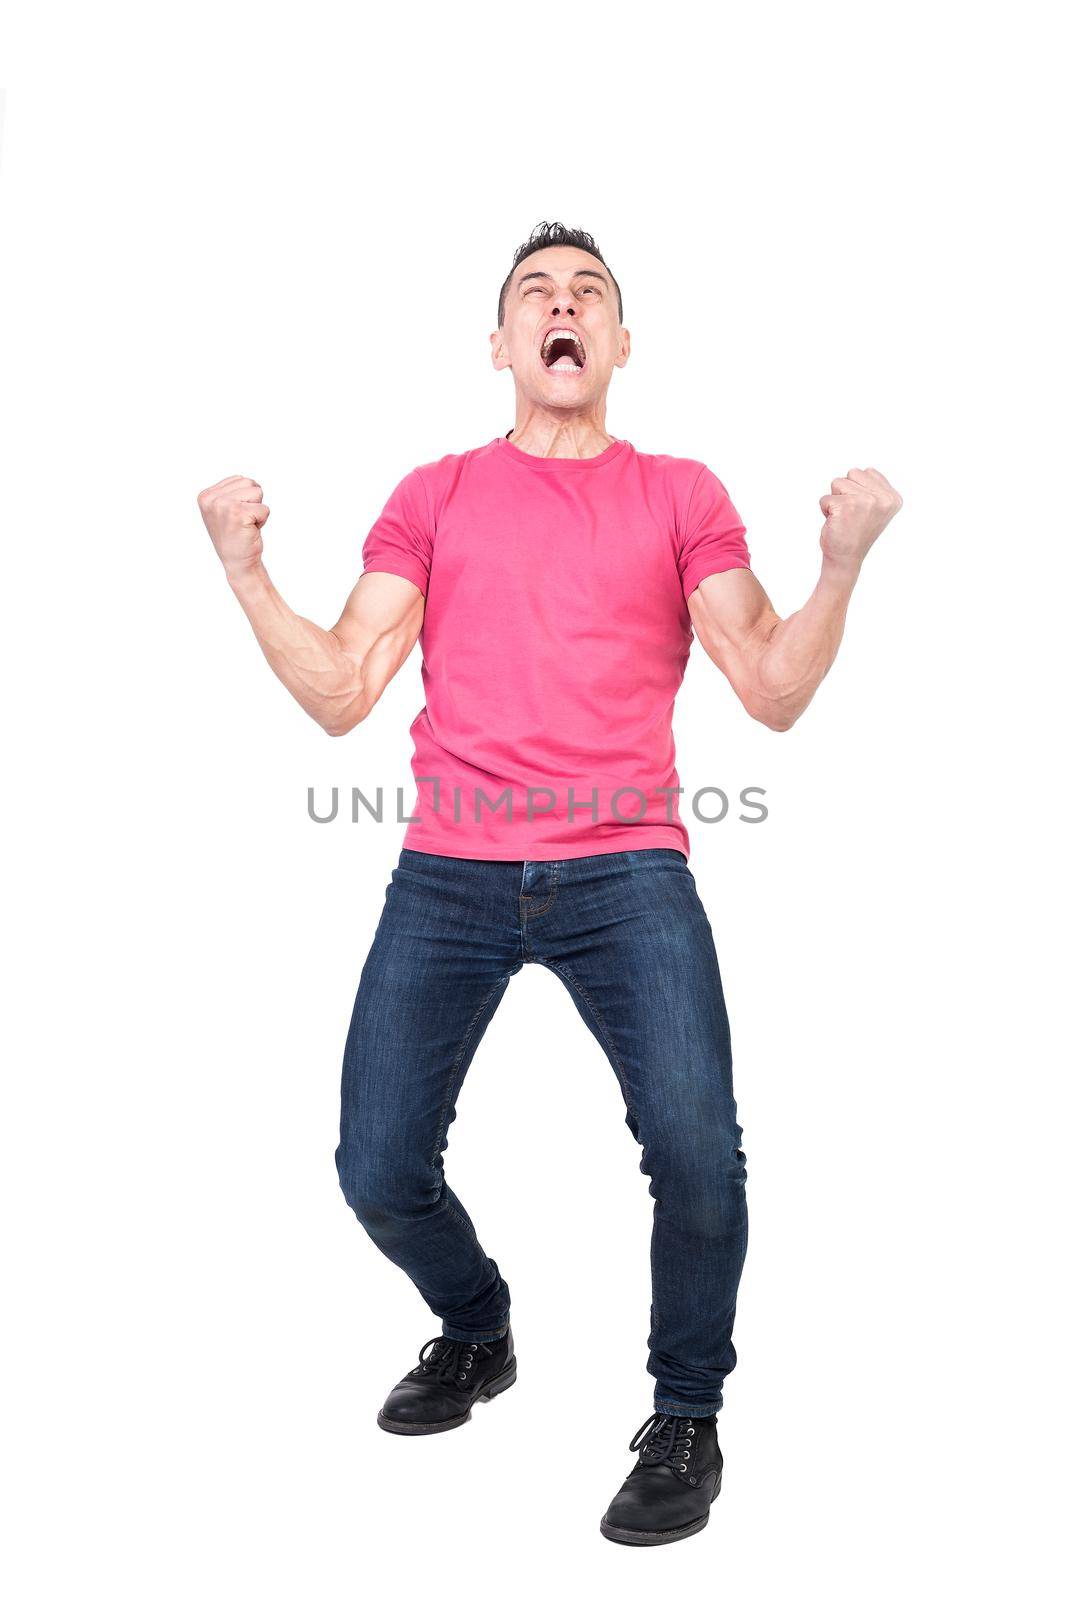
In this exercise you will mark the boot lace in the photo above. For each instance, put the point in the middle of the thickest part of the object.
(449, 1360)
(663, 1441)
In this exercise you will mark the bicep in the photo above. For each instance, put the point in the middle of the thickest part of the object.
(382, 619)
(732, 617)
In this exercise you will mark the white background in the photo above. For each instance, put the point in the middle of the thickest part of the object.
(248, 239)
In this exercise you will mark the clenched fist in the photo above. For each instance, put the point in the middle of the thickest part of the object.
(234, 513)
(857, 510)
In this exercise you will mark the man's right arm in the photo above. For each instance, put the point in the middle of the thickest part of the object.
(336, 674)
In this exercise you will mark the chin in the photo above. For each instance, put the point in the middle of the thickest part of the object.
(565, 391)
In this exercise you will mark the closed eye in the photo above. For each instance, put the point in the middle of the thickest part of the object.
(541, 288)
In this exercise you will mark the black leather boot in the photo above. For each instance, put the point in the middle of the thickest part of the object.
(450, 1376)
(677, 1477)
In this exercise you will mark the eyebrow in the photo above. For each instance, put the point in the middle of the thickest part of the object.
(583, 272)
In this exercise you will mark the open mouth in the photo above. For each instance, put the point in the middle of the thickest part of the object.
(563, 351)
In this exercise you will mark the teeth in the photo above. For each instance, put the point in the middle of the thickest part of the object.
(559, 333)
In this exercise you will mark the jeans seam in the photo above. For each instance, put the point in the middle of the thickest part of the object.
(493, 1334)
(465, 1222)
(607, 1040)
(458, 1063)
(617, 1061)
(668, 1408)
(547, 904)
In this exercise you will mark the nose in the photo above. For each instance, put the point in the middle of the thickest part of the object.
(569, 309)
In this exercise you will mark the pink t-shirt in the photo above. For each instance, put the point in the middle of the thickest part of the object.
(555, 638)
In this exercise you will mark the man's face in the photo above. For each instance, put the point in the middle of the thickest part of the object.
(561, 335)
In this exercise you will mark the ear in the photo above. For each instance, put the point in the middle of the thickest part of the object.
(499, 350)
(624, 348)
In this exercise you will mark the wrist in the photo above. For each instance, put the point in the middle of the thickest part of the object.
(247, 577)
(841, 571)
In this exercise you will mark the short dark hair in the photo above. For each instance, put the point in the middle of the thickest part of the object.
(544, 237)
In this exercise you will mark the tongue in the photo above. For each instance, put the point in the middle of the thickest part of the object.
(564, 364)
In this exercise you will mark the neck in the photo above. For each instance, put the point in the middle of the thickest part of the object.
(543, 432)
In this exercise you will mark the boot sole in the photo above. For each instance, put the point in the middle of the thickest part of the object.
(503, 1381)
(650, 1536)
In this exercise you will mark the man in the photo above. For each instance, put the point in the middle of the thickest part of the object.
(555, 577)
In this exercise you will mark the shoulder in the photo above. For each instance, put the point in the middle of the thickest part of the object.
(446, 468)
(439, 479)
(677, 471)
(688, 485)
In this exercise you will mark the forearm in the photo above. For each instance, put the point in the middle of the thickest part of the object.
(794, 655)
(326, 681)
(776, 666)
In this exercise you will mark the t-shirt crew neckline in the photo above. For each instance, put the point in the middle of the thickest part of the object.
(561, 463)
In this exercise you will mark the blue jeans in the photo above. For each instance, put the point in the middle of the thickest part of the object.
(627, 935)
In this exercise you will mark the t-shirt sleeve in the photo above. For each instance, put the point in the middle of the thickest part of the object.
(401, 540)
(713, 534)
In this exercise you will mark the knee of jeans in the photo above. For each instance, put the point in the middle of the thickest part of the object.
(705, 1183)
(384, 1189)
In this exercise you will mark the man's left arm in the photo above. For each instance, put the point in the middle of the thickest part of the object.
(775, 665)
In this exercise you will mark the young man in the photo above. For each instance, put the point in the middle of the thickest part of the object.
(555, 577)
